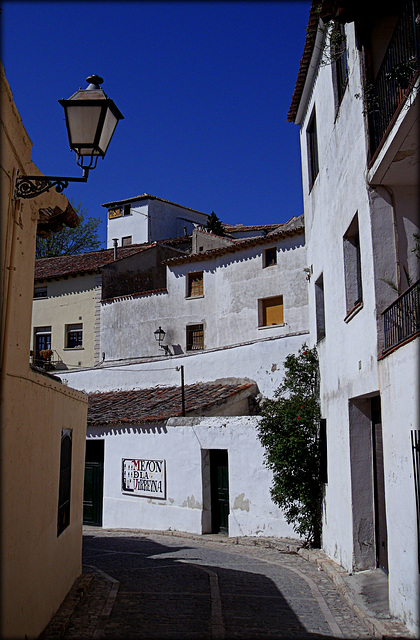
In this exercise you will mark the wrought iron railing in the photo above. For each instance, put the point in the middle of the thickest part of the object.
(397, 73)
(402, 318)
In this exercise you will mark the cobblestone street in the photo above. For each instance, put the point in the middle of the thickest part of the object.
(159, 586)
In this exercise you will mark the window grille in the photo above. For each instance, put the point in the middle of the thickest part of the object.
(195, 337)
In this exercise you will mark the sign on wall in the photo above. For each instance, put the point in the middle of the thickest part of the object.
(145, 478)
(115, 213)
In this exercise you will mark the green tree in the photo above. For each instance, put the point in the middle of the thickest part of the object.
(68, 241)
(215, 225)
(289, 432)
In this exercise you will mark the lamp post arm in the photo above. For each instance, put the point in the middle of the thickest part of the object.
(32, 186)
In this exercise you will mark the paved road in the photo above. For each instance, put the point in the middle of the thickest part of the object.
(156, 586)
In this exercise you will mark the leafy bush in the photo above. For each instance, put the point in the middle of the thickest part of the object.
(289, 432)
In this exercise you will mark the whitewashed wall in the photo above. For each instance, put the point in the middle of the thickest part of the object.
(233, 283)
(153, 219)
(259, 361)
(348, 354)
(399, 377)
(180, 443)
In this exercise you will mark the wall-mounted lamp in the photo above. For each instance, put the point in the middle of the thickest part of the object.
(308, 271)
(159, 337)
(91, 119)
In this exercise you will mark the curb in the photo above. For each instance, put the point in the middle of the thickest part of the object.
(384, 629)
(58, 624)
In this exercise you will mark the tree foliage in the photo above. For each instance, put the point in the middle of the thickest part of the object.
(215, 225)
(289, 432)
(68, 241)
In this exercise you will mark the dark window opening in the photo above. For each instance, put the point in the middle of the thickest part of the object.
(64, 491)
(270, 257)
(126, 241)
(323, 467)
(74, 336)
(338, 51)
(320, 308)
(127, 209)
(312, 145)
(352, 266)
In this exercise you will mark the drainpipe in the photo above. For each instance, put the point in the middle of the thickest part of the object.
(115, 241)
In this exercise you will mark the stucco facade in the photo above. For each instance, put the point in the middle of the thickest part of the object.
(40, 552)
(361, 210)
(147, 218)
(183, 445)
(228, 307)
(67, 303)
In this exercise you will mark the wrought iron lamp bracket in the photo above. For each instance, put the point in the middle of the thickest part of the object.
(32, 186)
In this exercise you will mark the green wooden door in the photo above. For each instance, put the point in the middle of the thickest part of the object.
(93, 488)
(219, 490)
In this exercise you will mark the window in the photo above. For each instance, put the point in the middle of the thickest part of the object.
(312, 146)
(338, 52)
(127, 209)
(323, 466)
(195, 285)
(270, 311)
(74, 336)
(42, 339)
(195, 337)
(320, 308)
(64, 490)
(352, 266)
(127, 240)
(40, 292)
(269, 257)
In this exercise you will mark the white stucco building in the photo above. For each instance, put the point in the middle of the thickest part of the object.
(358, 116)
(231, 310)
(146, 218)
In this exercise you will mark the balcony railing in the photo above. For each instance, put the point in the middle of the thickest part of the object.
(402, 318)
(397, 73)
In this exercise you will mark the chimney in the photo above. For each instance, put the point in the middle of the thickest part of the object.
(115, 241)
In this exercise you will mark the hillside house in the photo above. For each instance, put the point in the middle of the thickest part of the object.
(356, 102)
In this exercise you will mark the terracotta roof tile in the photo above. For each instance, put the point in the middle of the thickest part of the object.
(238, 245)
(61, 266)
(143, 406)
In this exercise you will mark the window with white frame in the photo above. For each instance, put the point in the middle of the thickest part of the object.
(270, 311)
(74, 336)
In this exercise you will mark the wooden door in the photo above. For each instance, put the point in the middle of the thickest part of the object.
(93, 486)
(219, 478)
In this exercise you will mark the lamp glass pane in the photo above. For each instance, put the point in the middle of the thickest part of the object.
(82, 124)
(108, 129)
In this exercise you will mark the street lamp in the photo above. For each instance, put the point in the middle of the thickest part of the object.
(91, 119)
(159, 337)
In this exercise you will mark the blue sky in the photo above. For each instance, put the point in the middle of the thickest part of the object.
(204, 87)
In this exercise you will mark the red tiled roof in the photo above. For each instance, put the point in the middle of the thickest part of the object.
(143, 406)
(231, 228)
(311, 31)
(62, 266)
(238, 245)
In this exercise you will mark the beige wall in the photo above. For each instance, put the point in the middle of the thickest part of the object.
(70, 301)
(37, 567)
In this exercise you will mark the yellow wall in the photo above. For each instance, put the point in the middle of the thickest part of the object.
(37, 568)
(70, 301)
